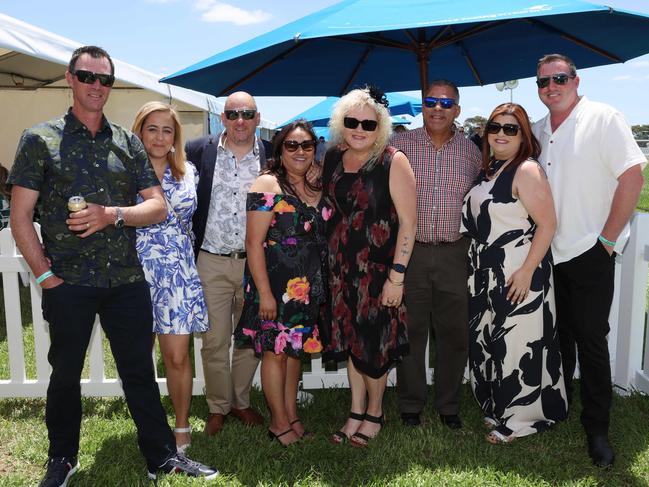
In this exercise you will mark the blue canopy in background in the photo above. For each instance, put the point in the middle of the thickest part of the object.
(319, 113)
(401, 45)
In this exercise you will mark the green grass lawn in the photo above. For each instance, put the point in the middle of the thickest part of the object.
(428, 456)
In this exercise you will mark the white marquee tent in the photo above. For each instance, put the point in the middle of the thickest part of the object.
(33, 88)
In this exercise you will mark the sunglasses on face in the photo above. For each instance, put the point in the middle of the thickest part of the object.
(509, 128)
(559, 79)
(367, 125)
(235, 114)
(307, 145)
(89, 78)
(445, 103)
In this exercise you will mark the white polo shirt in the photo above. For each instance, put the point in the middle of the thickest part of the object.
(583, 159)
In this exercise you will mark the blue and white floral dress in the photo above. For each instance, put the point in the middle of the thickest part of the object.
(167, 256)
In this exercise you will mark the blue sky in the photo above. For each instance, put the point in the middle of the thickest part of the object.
(164, 36)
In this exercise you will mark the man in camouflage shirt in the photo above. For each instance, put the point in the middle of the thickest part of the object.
(95, 270)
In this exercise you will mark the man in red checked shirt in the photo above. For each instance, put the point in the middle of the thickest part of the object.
(445, 164)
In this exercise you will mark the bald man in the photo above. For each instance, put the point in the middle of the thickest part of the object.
(227, 164)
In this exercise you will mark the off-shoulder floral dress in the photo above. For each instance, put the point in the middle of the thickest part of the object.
(295, 250)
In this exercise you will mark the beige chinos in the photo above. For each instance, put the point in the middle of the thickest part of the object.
(227, 380)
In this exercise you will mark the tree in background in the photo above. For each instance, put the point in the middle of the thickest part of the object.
(471, 124)
(640, 131)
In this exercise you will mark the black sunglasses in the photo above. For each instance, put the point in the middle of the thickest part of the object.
(559, 79)
(235, 114)
(508, 128)
(367, 125)
(89, 78)
(445, 103)
(307, 145)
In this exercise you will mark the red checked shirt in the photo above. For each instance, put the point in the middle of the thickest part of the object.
(443, 177)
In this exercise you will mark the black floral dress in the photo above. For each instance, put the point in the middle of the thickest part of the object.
(295, 250)
(514, 356)
(362, 237)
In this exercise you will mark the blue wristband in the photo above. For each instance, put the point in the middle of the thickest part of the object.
(44, 276)
(606, 241)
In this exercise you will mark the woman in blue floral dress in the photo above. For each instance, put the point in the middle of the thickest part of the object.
(284, 284)
(165, 251)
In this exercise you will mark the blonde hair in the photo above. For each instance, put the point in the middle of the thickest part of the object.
(176, 159)
(360, 98)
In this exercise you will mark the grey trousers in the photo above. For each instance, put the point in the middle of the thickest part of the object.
(436, 298)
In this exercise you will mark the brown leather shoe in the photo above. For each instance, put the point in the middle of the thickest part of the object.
(214, 423)
(247, 416)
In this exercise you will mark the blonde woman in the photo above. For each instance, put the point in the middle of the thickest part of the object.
(371, 235)
(165, 251)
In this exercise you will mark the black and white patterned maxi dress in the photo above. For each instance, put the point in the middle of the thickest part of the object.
(514, 356)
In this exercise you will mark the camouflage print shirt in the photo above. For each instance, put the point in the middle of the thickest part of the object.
(59, 159)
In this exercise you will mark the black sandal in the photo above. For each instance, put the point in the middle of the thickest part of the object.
(339, 437)
(307, 435)
(272, 436)
(364, 438)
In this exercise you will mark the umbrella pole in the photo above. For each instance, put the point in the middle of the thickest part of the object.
(422, 58)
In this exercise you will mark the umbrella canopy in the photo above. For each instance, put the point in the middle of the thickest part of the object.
(400, 46)
(319, 113)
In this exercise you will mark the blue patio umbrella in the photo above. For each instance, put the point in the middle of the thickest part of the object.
(401, 45)
(397, 120)
(319, 113)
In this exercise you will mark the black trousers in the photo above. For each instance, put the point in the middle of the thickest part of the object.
(436, 300)
(126, 318)
(584, 293)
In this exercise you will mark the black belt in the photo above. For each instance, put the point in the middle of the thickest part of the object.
(437, 244)
(231, 255)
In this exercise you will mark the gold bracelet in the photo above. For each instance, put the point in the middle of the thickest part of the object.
(395, 283)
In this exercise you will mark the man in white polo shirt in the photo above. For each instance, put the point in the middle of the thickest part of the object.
(595, 170)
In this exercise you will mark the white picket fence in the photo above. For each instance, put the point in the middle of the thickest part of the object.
(627, 339)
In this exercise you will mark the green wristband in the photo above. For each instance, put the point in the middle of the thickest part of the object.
(606, 241)
(44, 276)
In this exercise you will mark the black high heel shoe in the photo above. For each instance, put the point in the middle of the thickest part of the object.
(339, 437)
(272, 436)
(359, 440)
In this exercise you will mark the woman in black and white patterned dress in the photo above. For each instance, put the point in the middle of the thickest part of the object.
(514, 357)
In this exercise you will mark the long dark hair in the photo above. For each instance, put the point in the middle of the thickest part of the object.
(529, 148)
(4, 189)
(275, 166)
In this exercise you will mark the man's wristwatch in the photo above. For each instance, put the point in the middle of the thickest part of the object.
(400, 268)
(119, 219)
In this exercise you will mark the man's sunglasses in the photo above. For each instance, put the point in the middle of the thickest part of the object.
(445, 103)
(559, 79)
(89, 78)
(508, 128)
(307, 145)
(367, 125)
(235, 114)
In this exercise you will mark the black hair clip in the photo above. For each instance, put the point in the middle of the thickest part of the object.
(377, 95)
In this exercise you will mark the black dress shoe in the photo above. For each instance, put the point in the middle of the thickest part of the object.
(600, 451)
(410, 419)
(453, 421)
